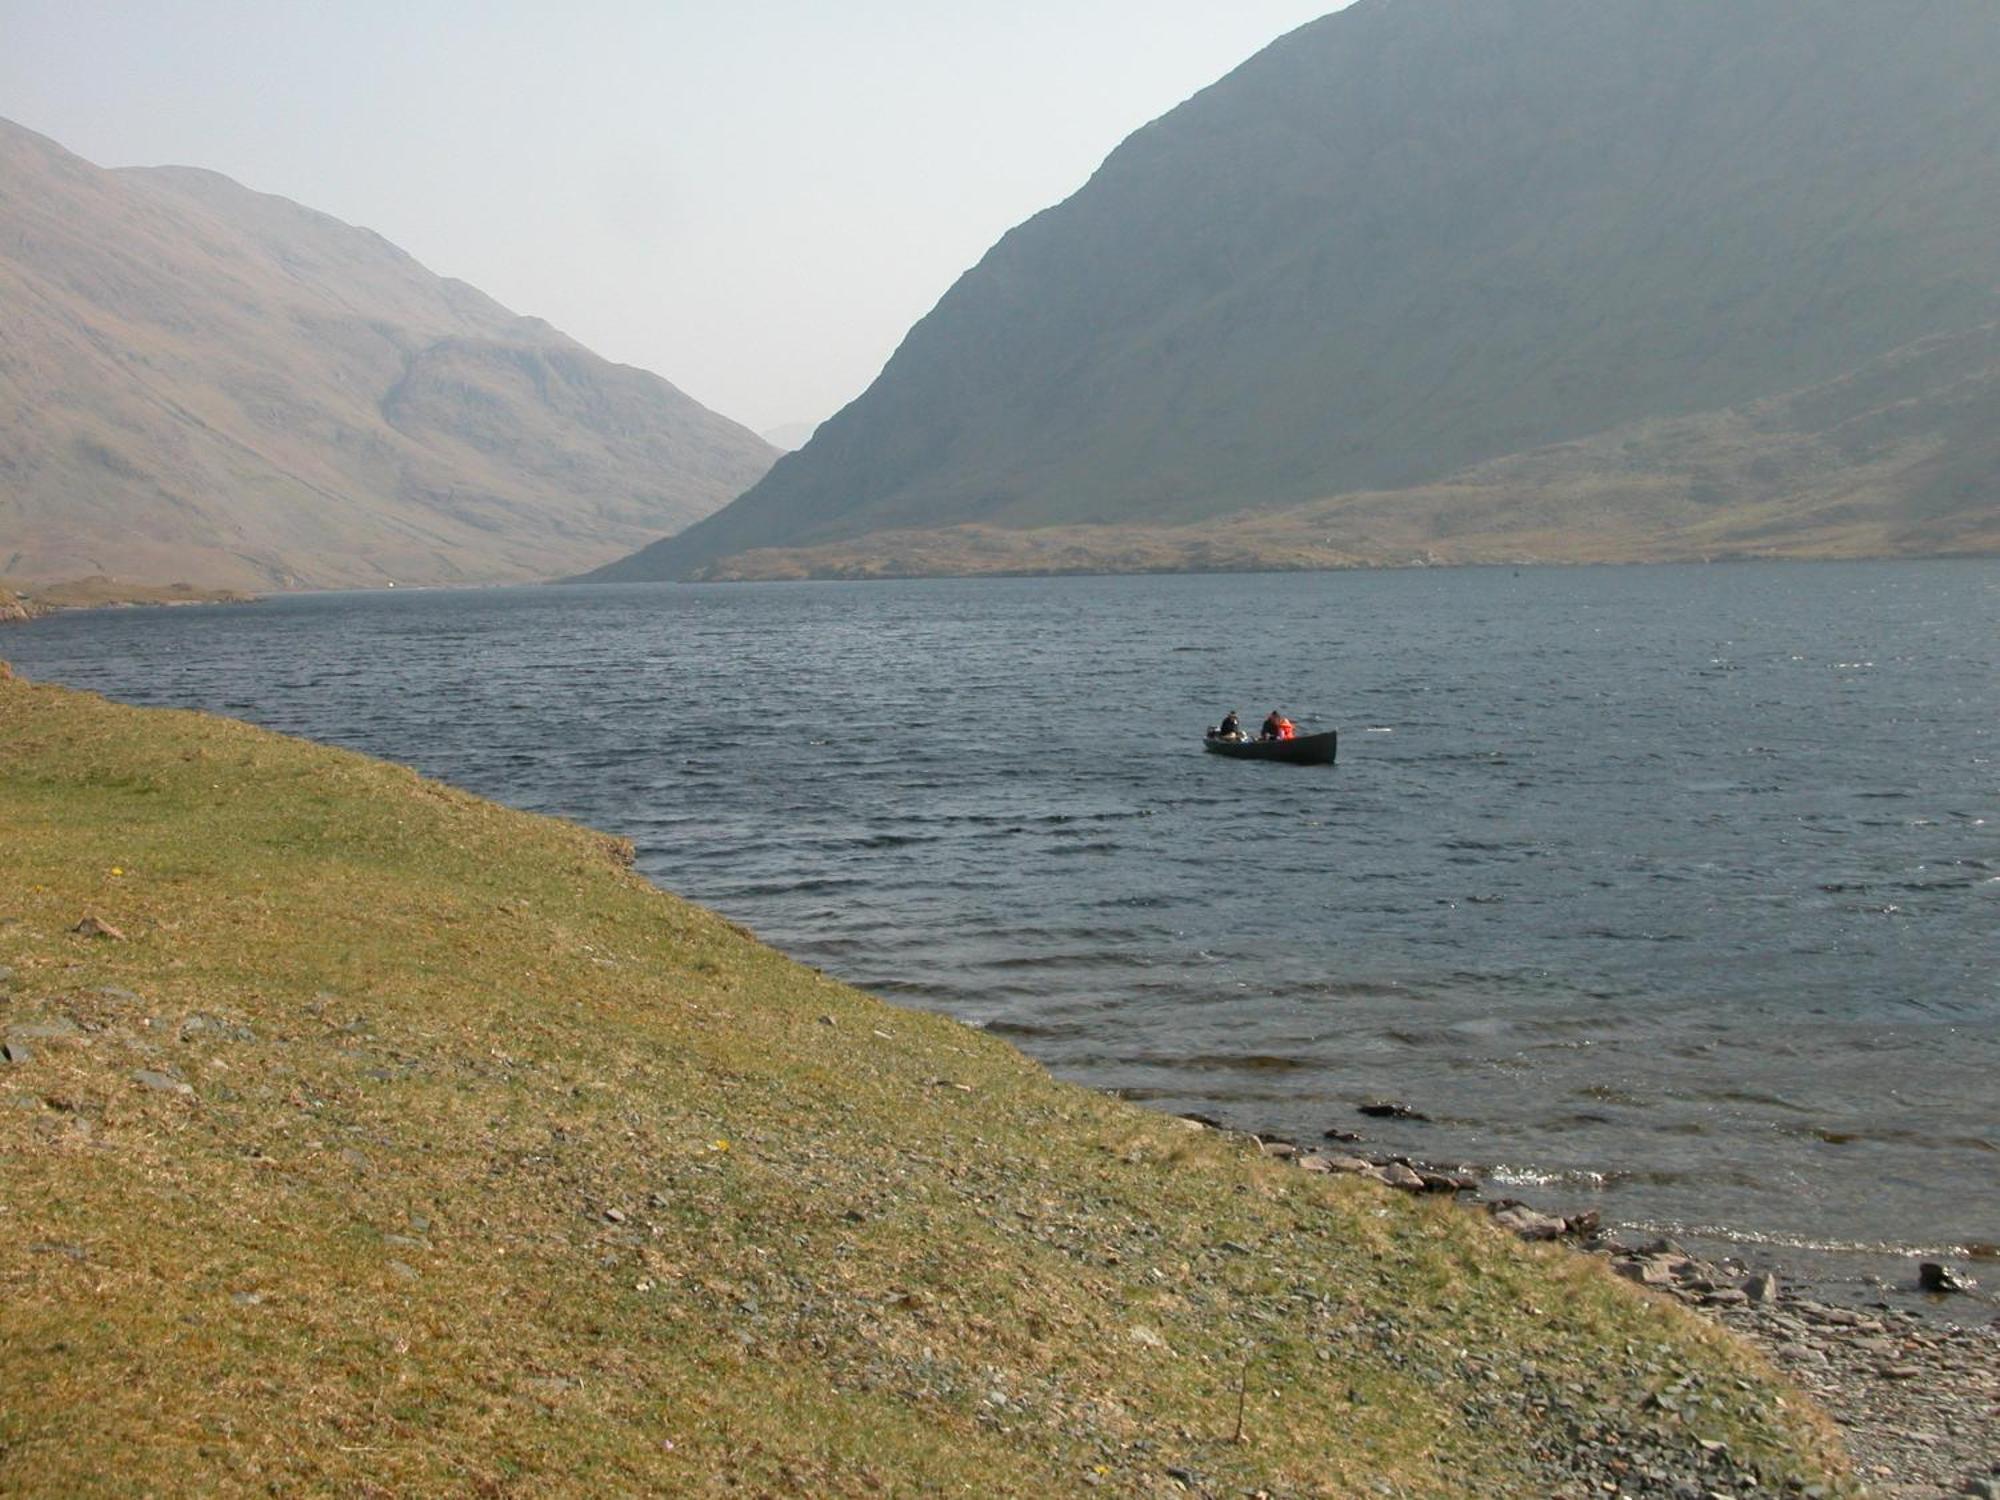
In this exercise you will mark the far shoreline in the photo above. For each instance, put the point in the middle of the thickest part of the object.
(19, 606)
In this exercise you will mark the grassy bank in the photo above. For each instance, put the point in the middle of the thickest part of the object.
(400, 1143)
(99, 592)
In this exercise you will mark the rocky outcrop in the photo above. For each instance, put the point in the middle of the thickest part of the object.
(14, 610)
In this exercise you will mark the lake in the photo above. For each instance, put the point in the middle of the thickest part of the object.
(1669, 891)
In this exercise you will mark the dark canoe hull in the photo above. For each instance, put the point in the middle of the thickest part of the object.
(1305, 750)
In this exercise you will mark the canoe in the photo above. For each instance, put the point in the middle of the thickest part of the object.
(1304, 750)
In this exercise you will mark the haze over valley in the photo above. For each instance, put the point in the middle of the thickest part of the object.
(204, 383)
(1424, 281)
(1462, 280)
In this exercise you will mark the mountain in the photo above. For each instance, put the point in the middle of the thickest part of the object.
(1897, 458)
(202, 382)
(1418, 237)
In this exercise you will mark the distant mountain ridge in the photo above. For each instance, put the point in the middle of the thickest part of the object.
(202, 382)
(1419, 237)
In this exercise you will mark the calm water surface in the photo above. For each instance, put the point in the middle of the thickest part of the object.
(1669, 891)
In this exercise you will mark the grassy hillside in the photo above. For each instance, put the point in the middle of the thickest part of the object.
(397, 1143)
(1899, 458)
(97, 592)
(1416, 236)
(199, 381)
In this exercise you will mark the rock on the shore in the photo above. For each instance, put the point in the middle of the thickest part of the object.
(1359, 1165)
(1519, 1219)
(1390, 1110)
(1932, 1277)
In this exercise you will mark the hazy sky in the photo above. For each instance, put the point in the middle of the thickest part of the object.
(756, 198)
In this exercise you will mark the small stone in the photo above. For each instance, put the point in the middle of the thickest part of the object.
(161, 1083)
(42, 1031)
(1932, 1277)
(1981, 1489)
(17, 1052)
(1899, 1372)
(615, 1215)
(1398, 1175)
(95, 927)
(1762, 1289)
(354, 1159)
(1523, 1221)
(1345, 1137)
(403, 1270)
(1386, 1109)
(214, 1029)
(1348, 1164)
(1446, 1182)
(1283, 1150)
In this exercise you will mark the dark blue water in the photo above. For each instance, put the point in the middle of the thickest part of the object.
(1669, 891)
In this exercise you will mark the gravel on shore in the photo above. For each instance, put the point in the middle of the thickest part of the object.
(1916, 1398)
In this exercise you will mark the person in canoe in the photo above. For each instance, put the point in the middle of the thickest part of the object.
(1231, 728)
(1277, 727)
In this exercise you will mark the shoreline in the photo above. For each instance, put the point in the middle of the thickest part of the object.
(20, 608)
(334, 1063)
(1918, 1405)
(1914, 1389)
(1892, 1272)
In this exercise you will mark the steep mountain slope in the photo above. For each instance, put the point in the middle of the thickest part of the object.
(199, 381)
(1419, 235)
(1897, 458)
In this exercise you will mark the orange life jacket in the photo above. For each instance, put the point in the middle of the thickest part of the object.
(1286, 730)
